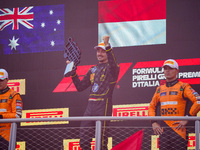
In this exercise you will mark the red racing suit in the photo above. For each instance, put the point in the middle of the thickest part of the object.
(10, 107)
(172, 98)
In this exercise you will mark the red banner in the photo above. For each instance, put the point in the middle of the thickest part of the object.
(134, 142)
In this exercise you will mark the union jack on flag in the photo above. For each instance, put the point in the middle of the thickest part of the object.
(15, 17)
(32, 29)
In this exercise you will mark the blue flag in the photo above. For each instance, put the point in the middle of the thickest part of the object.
(32, 29)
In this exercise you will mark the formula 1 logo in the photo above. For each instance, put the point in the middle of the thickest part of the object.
(66, 85)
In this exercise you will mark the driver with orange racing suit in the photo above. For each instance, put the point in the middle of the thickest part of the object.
(10, 107)
(172, 98)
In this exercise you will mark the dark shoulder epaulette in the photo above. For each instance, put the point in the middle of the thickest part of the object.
(181, 89)
(158, 91)
(13, 93)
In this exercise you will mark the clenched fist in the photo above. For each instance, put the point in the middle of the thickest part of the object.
(106, 39)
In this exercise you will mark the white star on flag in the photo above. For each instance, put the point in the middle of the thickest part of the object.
(52, 43)
(51, 12)
(22, 39)
(13, 43)
(42, 24)
(58, 22)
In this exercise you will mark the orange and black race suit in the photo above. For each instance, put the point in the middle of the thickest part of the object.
(101, 79)
(10, 107)
(173, 98)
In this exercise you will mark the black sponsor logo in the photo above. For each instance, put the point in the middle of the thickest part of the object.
(198, 98)
(18, 116)
(4, 100)
(169, 111)
(173, 93)
(18, 101)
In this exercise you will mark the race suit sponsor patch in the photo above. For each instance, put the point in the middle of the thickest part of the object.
(3, 100)
(192, 90)
(19, 104)
(163, 93)
(195, 94)
(18, 101)
(169, 103)
(3, 110)
(18, 107)
(92, 78)
(93, 69)
(198, 99)
(173, 93)
(95, 87)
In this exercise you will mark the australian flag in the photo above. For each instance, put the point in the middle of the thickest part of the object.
(32, 29)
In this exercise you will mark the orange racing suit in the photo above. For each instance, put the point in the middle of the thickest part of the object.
(10, 107)
(173, 98)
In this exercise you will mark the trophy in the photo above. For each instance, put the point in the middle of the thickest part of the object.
(73, 54)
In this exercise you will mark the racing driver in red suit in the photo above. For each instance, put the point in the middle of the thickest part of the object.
(172, 98)
(102, 79)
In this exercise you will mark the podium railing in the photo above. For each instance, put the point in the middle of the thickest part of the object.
(98, 119)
